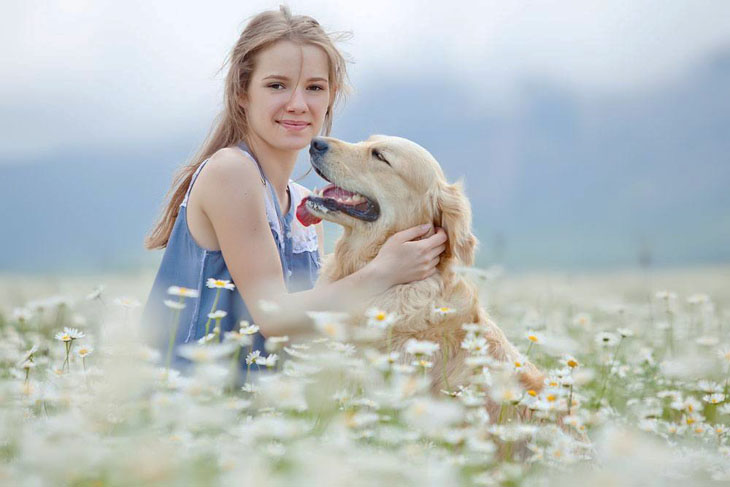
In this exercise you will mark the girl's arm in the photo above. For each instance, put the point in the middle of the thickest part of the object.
(232, 198)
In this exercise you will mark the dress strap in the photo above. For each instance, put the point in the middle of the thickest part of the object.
(192, 181)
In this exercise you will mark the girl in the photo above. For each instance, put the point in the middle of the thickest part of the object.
(230, 219)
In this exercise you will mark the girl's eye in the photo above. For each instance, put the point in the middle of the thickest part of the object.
(379, 156)
(318, 88)
(273, 85)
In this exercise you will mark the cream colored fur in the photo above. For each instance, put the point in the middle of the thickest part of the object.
(412, 190)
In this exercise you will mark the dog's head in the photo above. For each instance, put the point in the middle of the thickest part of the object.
(386, 184)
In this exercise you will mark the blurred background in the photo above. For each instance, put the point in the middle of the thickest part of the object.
(590, 135)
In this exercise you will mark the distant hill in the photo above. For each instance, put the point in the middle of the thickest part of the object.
(565, 180)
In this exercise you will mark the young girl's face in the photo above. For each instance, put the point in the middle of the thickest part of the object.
(288, 95)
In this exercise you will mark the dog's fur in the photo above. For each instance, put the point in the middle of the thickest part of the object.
(410, 189)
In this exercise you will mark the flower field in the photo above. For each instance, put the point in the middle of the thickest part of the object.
(636, 391)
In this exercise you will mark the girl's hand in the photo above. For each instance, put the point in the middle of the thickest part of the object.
(402, 259)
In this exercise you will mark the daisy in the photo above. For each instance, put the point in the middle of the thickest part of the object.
(625, 332)
(570, 361)
(269, 361)
(126, 302)
(698, 299)
(207, 353)
(95, 294)
(176, 305)
(534, 337)
(330, 324)
(247, 329)
(422, 363)
(582, 319)
(418, 347)
(182, 292)
(29, 354)
(379, 319)
(253, 357)
(606, 339)
(220, 284)
(473, 328)
(69, 334)
(665, 295)
(475, 344)
(217, 315)
(443, 310)
(84, 352)
(237, 337)
(714, 398)
(274, 344)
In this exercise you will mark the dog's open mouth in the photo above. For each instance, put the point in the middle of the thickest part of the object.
(333, 198)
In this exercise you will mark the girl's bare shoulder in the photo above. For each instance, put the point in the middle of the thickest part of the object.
(231, 162)
(229, 175)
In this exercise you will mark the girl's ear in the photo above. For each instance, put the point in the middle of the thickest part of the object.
(455, 212)
(243, 100)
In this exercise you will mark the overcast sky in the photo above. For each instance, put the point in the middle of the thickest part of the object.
(83, 73)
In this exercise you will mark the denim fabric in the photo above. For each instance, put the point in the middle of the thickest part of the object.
(186, 264)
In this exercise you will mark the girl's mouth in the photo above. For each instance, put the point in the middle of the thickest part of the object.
(293, 126)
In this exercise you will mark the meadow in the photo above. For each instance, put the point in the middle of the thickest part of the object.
(636, 391)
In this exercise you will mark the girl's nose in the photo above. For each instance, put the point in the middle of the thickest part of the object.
(296, 103)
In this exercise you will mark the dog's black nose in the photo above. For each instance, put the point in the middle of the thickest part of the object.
(318, 146)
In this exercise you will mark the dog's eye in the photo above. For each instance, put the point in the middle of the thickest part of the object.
(378, 155)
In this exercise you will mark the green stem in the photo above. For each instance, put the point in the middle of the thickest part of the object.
(234, 365)
(173, 334)
(570, 399)
(445, 358)
(212, 309)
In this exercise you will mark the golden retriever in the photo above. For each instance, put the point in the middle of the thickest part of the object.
(387, 184)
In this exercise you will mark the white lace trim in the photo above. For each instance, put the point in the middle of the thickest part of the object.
(271, 214)
(304, 239)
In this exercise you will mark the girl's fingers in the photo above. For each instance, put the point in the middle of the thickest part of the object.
(437, 251)
(411, 233)
(437, 238)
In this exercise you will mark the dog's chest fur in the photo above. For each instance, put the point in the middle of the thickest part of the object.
(415, 304)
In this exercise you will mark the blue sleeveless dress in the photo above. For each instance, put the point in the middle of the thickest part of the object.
(187, 264)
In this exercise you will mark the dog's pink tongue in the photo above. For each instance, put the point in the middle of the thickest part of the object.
(304, 216)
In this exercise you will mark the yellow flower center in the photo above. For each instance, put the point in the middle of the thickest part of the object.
(518, 363)
(532, 338)
(551, 397)
(572, 363)
(532, 393)
(330, 329)
(380, 316)
(690, 420)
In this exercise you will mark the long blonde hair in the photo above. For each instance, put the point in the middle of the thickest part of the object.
(231, 125)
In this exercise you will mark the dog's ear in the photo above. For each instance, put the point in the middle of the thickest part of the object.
(455, 212)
